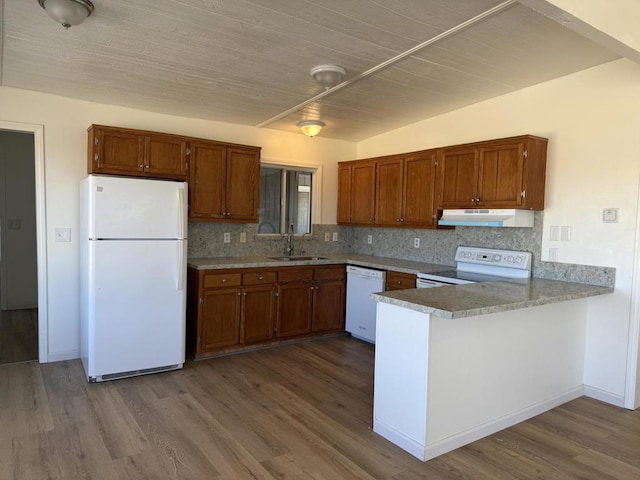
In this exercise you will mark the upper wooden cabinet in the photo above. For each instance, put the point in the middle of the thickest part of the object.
(224, 182)
(505, 173)
(405, 190)
(356, 192)
(119, 151)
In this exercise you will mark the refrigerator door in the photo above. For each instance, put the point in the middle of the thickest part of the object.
(135, 208)
(136, 307)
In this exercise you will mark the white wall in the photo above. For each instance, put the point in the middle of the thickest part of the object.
(592, 120)
(65, 124)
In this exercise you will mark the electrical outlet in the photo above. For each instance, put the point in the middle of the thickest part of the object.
(227, 237)
(416, 243)
(327, 236)
(243, 237)
(335, 236)
(553, 254)
(369, 239)
(63, 234)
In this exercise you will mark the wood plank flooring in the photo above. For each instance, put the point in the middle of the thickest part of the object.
(18, 335)
(302, 411)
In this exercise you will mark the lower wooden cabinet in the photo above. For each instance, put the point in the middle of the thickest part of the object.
(400, 280)
(236, 309)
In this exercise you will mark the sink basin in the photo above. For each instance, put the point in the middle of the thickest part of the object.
(296, 258)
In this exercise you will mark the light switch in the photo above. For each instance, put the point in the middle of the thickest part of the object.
(63, 234)
(610, 215)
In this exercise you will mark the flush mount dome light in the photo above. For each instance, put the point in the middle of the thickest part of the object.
(328, 75)
(67, 12)
(311, 127)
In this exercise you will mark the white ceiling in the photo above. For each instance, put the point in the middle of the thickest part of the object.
(248, 61)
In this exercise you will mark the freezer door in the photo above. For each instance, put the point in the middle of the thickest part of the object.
(137, 208)
(137, 305)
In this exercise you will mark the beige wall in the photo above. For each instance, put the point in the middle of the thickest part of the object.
(65, 124)
(592, 120)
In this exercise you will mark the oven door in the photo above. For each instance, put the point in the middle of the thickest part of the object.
(426, 283)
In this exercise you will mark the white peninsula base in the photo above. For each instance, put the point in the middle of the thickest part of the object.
(443, 383)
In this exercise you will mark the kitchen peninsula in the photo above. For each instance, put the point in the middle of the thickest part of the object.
(455, 364)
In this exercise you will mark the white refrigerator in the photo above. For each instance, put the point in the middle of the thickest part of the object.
(133, 235)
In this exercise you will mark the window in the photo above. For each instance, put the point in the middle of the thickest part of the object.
(285, 199)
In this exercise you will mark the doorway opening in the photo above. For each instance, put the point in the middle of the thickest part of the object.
(21, 244)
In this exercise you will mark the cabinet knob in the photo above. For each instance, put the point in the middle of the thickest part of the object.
(399, 282)
(477, 199)
(397, 219)
(402, 220)
(224, 280)
(141, 166)
(260, 278)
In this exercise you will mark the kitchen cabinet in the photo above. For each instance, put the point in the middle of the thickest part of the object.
(311, 299)
(329, 294)
(229, 308)
(259, 295)
(400, 280)
(119, 151)
(505, 173)
(356, 192)
(295, 297)
(235, 309)
(405, 186)
(224, 182)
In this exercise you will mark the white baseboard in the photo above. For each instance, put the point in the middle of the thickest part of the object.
(460, 439)
(604, 396)
(62, 356)
(493, 426)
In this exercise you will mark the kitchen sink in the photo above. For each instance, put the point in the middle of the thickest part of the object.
(295, 258)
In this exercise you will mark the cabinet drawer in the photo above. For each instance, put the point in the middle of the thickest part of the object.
(330, 272)
(258, 278)
(215, 280)
(295, 275)
(400, 280)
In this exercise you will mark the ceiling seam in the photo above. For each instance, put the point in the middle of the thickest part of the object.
(387, 63)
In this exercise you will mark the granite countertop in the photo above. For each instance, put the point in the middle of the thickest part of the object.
(381, 263)
(488, 297)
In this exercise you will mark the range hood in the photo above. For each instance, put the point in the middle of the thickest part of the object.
(483, 217)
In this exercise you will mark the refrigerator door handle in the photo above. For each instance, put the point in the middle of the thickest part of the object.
(181, 213)
(181, 262)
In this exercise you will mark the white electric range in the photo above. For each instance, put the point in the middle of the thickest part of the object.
(475, 264)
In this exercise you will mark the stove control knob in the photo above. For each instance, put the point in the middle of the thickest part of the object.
(510, 259)
(497, 258)
(519, 259)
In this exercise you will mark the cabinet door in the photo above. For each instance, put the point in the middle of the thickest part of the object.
(243, 184)
(328, 306)
(258, 313)
(208, 167)
(458, 174)
(388, 201)
(500, 175)
(166, 156)
(220, 319)
(344, 193)
(294, 309)
(363, 189)
(418, 191)
(117, 152)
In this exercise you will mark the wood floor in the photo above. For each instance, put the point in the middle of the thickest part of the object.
(296, 412)
(18, 335)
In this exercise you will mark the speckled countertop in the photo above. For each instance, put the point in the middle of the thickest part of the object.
(449, 302)
(370, 261)
(488, 297)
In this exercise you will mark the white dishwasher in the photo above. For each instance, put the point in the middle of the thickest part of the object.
(361, 309)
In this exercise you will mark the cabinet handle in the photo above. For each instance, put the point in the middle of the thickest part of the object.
(95, 141)
(95, 157)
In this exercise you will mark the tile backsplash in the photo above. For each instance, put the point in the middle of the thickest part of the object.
(436, 246)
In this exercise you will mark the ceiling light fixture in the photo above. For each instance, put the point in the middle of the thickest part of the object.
(311, 127)
(67, 12)
(328, 75)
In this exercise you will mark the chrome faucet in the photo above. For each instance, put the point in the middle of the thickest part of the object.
(290, 241)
